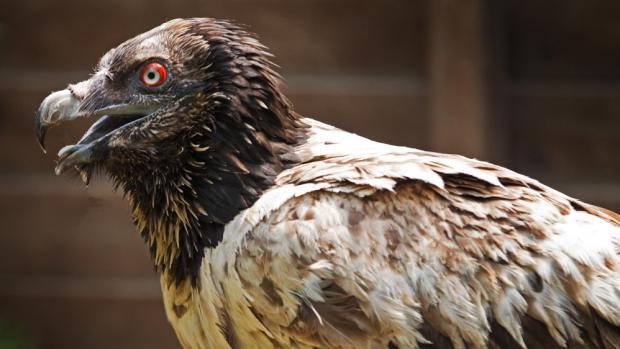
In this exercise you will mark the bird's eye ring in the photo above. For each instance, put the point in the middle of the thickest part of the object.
(153, 74)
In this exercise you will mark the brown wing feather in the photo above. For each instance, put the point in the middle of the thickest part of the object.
(474, 247)
(535, 336)
(402, 248)
(607, 334)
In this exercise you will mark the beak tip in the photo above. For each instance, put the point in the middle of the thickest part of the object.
(58, 170)
(40, 141)
(40, 130)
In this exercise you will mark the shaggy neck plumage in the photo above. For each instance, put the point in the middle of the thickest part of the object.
(241, 136)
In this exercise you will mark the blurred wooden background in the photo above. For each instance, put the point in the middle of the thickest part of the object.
(531, 85)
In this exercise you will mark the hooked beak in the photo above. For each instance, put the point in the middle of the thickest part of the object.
(62, 106)
(58, 106)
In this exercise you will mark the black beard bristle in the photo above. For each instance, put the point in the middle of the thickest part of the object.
(233, 138)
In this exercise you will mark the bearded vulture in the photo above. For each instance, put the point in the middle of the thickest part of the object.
(273, 230)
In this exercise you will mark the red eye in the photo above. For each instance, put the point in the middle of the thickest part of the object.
(153, 74)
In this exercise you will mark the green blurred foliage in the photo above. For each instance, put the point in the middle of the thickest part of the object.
(13, 338)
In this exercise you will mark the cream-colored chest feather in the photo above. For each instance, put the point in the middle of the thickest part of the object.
(220, 313)
(377, 246)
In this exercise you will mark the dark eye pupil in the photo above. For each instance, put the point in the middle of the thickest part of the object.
(151, 75)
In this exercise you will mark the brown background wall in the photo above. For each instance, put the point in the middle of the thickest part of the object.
(531, 85)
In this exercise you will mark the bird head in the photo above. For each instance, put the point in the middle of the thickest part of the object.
(190, 123)
(179, 88)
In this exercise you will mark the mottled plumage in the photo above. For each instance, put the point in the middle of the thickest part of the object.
(271, 230)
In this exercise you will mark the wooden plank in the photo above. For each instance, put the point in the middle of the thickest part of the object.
(457, 104)
(497, 58)
(89, 287)
(564, 89)
(69, 234)
(565, 136)
(51, 323)
(347, 36)
(562, 40)
(603, 194)
(395, 119)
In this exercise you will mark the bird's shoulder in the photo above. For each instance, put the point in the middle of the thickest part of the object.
(344, 162)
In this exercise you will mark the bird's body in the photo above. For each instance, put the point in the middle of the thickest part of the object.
(364, 244)
(271, 230)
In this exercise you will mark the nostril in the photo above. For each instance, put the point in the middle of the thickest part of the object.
(79, 90)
